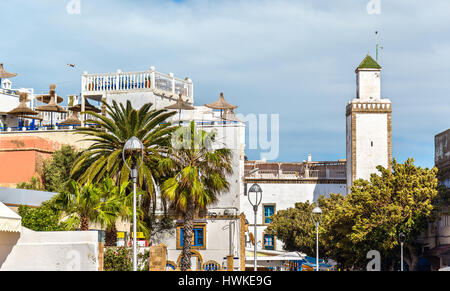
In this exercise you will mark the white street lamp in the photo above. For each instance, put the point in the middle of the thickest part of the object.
(255, 198)
(317, 218)
(402, 239)
(132, 148)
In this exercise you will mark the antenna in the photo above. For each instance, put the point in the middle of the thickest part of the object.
(376, 34)
(378, 46)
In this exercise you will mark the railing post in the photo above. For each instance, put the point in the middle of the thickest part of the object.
(118, 80)
(152, 78)
(84, 81)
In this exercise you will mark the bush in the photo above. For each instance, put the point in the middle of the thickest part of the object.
(121, 259)
(41, 219)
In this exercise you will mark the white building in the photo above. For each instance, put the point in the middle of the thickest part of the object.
(283, 185)
(369, 125)
(217, 233)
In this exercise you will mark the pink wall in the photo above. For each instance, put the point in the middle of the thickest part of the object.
(20, 158)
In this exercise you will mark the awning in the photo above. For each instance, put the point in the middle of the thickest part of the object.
(9, 220)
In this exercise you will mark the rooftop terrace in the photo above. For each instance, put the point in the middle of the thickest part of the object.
(159, 83)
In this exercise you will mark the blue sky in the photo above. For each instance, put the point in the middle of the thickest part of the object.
(292, 58)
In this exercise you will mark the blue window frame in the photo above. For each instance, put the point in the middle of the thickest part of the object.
(198, 240)
(269, 242)
(269, 210)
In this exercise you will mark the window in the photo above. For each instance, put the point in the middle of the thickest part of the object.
(269, 210)
(198, 237)
(269, 242)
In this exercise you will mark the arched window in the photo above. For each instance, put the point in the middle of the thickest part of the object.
(211, 266)
(171, 266)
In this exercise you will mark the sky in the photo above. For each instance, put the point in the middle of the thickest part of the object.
(293, 58)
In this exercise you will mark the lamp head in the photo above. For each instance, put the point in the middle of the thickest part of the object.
(402, 237)
(255, 195)
(316, 215)
(132, 147)
(133, 144)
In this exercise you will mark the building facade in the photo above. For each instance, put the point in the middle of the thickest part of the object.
(436, 239)
(283, 185)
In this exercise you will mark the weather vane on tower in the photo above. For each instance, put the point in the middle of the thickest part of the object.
(378, 46)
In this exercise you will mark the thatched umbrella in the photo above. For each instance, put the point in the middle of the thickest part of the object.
(51, 106)
(4, 74)
(46, 98)
(72, 120)
(87, 107)
(23, 110)
(180, 105)
(221, 105)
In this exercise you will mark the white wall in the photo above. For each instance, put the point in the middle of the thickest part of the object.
(217, 242)
(285, 196)
(371, 127)
(369, 85)
(49, 251)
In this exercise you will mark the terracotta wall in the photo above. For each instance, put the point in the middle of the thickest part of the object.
(21, 157)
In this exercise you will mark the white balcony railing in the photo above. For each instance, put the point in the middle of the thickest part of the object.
(161, 84)
(326, 170)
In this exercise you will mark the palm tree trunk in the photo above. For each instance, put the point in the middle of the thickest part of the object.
(111, 236)
(187, 235)
(414, 258)
(84, 223)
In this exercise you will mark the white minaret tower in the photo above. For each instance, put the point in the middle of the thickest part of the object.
(369, 125)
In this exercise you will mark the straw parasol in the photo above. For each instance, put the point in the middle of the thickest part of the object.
(180, 105)
(23, 110)
(221, 105)
(4, 74)
(46, 98)
(87, 107)
(72, 120)
(51, 106)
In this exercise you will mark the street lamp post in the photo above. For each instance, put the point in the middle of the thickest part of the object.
(255, 201)
(317, 217)
(402, 239)
(132, 147)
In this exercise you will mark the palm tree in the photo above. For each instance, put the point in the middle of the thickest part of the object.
(199, 176)
(121, 207)
(109, 135)
(86, 204)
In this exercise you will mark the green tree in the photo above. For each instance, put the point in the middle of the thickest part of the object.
(397, 201)
(199, 176)
(369, 218)
(56, 170)
(121, 207)
(295, 228)
(84, 204)
(109, 135)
